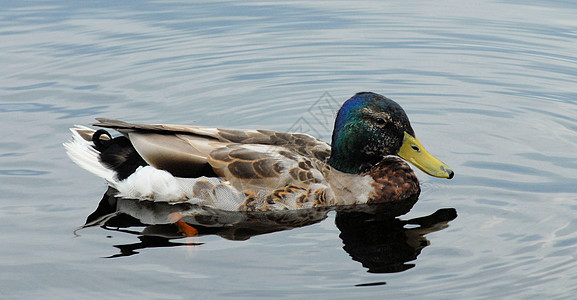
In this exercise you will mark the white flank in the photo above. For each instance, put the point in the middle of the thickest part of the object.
(152, 184)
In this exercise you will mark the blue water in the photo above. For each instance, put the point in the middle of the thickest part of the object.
(490, 88)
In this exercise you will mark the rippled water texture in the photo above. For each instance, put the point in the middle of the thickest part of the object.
(490, 88)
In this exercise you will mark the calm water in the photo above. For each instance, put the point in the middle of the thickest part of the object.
(490, 88)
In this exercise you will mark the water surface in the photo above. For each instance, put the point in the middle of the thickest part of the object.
(489, 87)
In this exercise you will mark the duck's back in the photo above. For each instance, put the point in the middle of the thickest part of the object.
(184, 151)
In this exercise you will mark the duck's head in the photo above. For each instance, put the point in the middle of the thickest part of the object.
(369, 127)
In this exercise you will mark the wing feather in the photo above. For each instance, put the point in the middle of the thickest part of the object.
(247, 157)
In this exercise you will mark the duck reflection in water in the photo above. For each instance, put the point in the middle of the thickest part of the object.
(371, 234)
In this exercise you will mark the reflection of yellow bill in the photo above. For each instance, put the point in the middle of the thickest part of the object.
(413, 152)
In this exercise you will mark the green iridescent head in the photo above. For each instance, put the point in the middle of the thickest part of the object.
(369, 127)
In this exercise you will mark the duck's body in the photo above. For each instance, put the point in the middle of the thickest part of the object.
(258, 170)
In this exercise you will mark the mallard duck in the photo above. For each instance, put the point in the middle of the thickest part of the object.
(262, 170)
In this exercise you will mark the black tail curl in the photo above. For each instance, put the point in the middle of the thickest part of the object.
(101, 144)
(117, 153)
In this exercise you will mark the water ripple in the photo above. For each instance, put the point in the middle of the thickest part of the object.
(489, 88)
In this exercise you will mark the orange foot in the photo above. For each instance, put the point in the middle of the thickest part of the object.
(185, 229)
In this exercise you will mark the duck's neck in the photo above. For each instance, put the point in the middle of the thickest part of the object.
(352, 161)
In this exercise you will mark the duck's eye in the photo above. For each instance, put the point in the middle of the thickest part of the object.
(380, 121)
(415, 147)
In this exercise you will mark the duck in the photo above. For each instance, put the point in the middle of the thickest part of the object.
(263, 170)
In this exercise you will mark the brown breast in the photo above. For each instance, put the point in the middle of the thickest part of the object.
(394, 180)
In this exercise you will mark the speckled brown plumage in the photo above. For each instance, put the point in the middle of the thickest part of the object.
(394, 180)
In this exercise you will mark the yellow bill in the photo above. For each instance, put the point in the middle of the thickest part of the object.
(413, 152)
